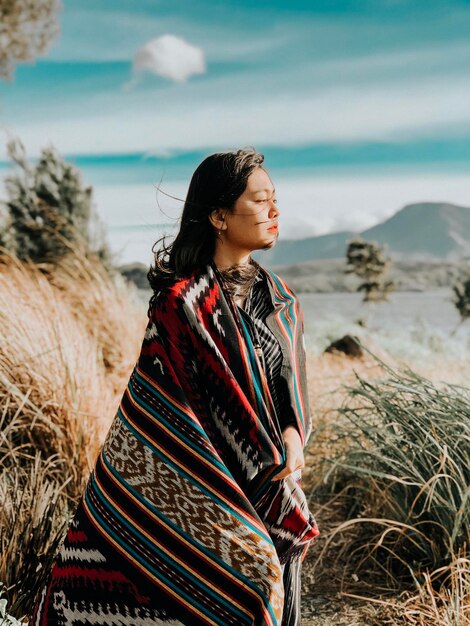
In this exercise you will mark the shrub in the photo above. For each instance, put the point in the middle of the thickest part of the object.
(49, 210)
(405, 468)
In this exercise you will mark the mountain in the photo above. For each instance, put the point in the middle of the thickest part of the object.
(328, 276)
(290, 251)
(429, 229)
(421, 231)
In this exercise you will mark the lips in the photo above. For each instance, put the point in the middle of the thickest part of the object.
(273, 227)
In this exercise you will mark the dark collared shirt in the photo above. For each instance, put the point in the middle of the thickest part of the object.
(257, 306)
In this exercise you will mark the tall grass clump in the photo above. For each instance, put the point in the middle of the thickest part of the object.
(69, 336)
(443, 598)
(403, 467)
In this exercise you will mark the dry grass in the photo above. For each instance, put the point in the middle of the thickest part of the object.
(443, 598)
(69, 340)
(440, 597)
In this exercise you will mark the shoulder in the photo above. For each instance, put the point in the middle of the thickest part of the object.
(174, 297)
(168, 300)
(279, 284)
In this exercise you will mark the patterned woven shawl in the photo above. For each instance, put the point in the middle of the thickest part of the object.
(180, 522)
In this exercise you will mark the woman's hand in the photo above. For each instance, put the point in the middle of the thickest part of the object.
(294, 452)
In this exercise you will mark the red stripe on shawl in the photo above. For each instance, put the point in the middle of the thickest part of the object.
(154, 539)
(233, 484)
(76, 536)
(293, 343)
(99, 575)
(156, 581)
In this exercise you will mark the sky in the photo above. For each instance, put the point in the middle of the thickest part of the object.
(360, 107)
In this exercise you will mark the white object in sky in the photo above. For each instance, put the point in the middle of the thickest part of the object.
(171, 57)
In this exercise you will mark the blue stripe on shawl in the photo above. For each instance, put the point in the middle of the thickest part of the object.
(290, 305)
(143, 539)
(258, 393)
(191, 479)
(287, 326)
(213, 460)
(247, 581)
(169, 404)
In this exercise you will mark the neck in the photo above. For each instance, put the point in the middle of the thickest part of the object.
(237, 279)
(226, 258)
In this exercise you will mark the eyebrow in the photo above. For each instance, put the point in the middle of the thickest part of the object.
(264, 190)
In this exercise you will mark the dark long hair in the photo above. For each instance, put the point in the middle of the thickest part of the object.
(217, 183)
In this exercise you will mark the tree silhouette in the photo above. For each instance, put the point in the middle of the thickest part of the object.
(49, 210)
(461, 289)
(367, 260)
(27, 28)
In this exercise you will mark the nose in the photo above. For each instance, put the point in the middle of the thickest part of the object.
(273, 209)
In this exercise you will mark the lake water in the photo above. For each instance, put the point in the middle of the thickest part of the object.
(434, 308)
(409, 324)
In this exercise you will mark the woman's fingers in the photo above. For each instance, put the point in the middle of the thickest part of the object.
(294, 457)
(284, 473)
(288, 469)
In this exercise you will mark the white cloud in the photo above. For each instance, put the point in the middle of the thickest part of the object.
(170, 57)
(189, 120)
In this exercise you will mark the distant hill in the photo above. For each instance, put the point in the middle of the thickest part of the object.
(327, 275)
(289, 251)
(422, 231)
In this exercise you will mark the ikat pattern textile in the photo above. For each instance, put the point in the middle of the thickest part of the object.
(181, 522)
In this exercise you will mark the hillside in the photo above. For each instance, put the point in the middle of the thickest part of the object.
(427, 229)
(422, 231)
(327, 275)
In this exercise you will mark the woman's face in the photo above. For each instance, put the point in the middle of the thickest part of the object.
(253, 222)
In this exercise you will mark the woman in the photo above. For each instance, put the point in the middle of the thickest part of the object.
(194, 512)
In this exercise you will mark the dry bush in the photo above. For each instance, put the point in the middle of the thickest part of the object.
(27, 30)
(407, 469)
(443, 599)
(69, 339)
(343, 503)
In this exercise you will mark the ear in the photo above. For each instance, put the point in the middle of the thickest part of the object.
(217, 218)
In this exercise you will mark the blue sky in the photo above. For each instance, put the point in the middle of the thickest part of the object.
(360, 107)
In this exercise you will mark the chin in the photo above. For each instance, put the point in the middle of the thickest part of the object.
(266, 244)
(269, 245)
